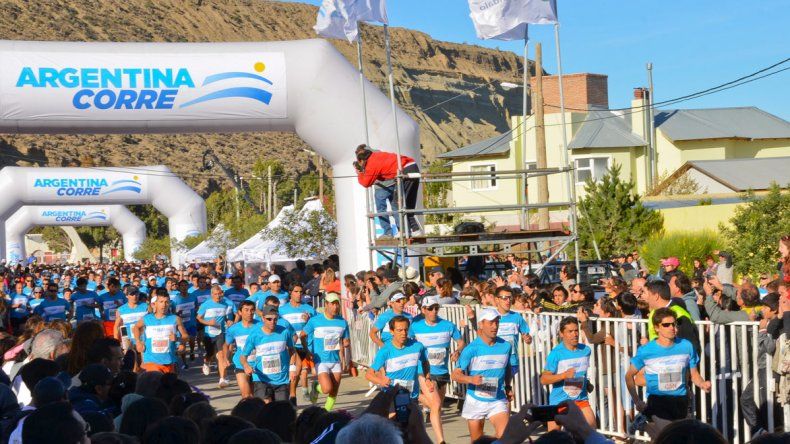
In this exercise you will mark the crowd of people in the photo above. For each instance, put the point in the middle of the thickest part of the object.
(99, 351)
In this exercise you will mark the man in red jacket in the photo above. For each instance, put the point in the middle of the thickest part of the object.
(380, 168)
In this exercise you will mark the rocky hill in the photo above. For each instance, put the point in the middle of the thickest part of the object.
(427, 72)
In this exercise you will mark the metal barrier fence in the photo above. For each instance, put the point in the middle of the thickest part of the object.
(730, 359)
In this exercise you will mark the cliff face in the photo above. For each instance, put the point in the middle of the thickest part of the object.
(427, 72)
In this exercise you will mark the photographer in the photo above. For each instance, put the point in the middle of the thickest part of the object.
(380, 168)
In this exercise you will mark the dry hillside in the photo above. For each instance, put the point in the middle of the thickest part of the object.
(427, 72)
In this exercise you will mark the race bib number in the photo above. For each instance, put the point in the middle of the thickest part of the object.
(405, 384)
(332, 342)
(506, 330)
(437, 356)
(487, 388)
(573, 387)
(271, 365)
(160, 345)
(670, 379)
(111, 313)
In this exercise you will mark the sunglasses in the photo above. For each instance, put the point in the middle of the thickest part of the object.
(432, 308)
(668, 324)
(504, 298)
(270, 319)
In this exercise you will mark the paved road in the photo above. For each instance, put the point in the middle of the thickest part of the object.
(352, 398)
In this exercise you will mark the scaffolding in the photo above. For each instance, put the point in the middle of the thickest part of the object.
(524, 239)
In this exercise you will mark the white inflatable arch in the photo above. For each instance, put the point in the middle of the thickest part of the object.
(155, 185)
(303, 86)
(131, 228)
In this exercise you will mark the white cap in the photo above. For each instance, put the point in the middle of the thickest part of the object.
(397, 296)
(168, 270)
(429, 300)
(274, 278)
(214, 281)
(489, 315)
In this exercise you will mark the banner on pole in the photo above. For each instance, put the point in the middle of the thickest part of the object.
(339, 18)
(508, 19)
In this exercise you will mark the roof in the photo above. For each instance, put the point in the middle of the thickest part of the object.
(499, 144)
(604, 129)
(721, 123)
(739, 174)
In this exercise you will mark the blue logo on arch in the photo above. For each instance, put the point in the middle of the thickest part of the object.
(246, 92)
(95, 215)
(124, 185)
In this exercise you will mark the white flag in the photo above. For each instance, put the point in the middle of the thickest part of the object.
(372, 10)
(508, 19)
(334, 20)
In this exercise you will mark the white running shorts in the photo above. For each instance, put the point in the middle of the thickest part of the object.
(475, 409)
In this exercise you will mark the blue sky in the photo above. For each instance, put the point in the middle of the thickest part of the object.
(693, 44)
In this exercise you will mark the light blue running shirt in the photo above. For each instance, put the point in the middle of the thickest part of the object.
(325, 337)
(666, 367)
(402, 365)
(490, 362)
(561, 359)
(436, 339)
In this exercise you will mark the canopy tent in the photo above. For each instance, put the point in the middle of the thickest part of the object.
(210, 248)
(258, 250)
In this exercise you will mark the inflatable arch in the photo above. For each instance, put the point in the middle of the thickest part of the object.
(155, 185)
(303, 86)
(131, 228)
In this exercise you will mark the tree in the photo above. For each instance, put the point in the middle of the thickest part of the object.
(435, 193)
(153, 247)
(56, 238)
(305, 233)
(612, 213)
(98, 237)
(754, 231)
(156, 224)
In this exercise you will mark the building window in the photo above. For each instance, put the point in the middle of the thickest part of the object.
(483, 182)
(591, 167)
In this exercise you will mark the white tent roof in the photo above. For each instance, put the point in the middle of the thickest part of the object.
(205, 251)
(255, 249)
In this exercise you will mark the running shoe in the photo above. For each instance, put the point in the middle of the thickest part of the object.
(223, 383)
(206, 369)
(314, 392)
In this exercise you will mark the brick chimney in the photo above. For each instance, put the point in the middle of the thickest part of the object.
(639, 105)
(581, 90)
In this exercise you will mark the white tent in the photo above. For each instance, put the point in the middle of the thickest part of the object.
(210, 248)
(257, 250)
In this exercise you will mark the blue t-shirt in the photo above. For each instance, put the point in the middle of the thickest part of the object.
(158, 335)
(49, 310)
(561, 359)
(383, 323)
(403, 366)
(218, 311)
(237, 296)
(272, 354)
(130, 315)
(511, 326)
(436, 339)
(297, 317)
(21, 299)
(83, 303)
(187, 306)
(666, 367)
(237, 334)
(325, 337)
(202, 296)
(32, 303)
(110, 304)
(490, 362)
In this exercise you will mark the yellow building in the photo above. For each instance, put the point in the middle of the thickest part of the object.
(597, 138)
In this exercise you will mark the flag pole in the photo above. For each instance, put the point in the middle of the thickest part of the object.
(398, 178)
(368, 197)
(524, 113)
(570, 177)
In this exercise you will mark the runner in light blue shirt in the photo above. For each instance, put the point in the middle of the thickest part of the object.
(326, 336)
(216, 315)
(402, 361)
(237, 293)
(274, 347)
(511, 324)
(52, 307)
(297, 314)
(185, 306)
(156, 335)
(236, 338)
(84, 301)
(127, 316)
(381, 326)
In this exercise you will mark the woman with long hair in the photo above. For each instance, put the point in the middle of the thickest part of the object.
(329, 283)
(86, 333)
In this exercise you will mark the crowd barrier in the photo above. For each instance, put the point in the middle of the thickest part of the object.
(729, 360)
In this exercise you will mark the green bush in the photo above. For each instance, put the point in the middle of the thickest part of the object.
(686, 246)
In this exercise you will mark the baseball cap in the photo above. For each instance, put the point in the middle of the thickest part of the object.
(214, 281)
(489, 315)
(429, 300)
(95, 374)
(397, 296)
(270, 309)
(274, 278)
(228, 275)
(671, 261)
(332, 297)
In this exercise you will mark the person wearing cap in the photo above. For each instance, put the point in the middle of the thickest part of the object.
(93, 394)
(380, 331)
(434, 274)
(236, 337)
(160, 328)
(237, 293)
(436, 335)
(566, 371)
(38, 298)
(228, 283)
(297, 314)
(84, 301)
(126, 317)
(185, 306)
(484, 365)
(109, 301)
(274, 289)
(216, 314)
(273, 349)
(326, 336)
(511, 324)
(668, 266)
(51, 307)
(403, 362)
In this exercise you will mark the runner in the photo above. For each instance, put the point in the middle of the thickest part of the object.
(19, 312)
(160, 328)
(215, 314)
(127, 316)
(274, 348)
(236, 337)
(382, 325)
(667, 360)
(185, 306)
(84, 301)
(52, 307)
(297, 314)
(511, 324)
(109, 302)
(327, 337)
(237, 293)
(566, 370)
(435, 334)
(484, 365)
